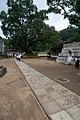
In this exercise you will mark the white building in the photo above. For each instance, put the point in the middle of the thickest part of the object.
(69, 53)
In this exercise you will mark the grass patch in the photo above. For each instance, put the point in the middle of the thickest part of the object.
(3, 56)
(30, 56)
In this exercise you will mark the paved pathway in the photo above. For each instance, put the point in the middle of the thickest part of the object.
(57, 101)
(17, 102)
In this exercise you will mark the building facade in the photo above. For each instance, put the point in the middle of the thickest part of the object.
(69, 53)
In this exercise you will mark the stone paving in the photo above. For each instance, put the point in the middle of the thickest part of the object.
(57, 101)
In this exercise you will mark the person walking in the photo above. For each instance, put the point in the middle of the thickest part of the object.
(77, 63)
(19, 57)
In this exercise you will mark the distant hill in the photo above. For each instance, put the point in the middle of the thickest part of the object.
(70, 34)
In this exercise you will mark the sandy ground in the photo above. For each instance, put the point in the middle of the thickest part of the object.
(17, 101)
(54, 70)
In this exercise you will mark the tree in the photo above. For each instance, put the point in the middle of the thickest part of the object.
(69, 8)
(24, 27)
(69, 33)
(16, 23)
(43, 36)
(74, 39)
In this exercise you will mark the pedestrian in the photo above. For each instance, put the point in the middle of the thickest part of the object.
(77, 63)
(19, 57)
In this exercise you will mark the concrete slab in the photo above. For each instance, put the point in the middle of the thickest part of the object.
(63, 115)
(52, 107)
(64, 91)
(68, 101)
(74, 111)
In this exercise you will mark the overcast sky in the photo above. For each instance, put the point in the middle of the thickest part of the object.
(54, 20)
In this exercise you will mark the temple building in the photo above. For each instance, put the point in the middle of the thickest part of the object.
(69, 53)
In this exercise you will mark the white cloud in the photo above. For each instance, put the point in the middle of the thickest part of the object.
(3, 5)
(55, 20)
(1, 33)
(41, 4)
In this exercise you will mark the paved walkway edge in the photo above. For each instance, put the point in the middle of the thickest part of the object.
(58, 102)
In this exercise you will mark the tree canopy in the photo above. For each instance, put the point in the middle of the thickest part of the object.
(70, 34)
(69, 8)
(24, 26)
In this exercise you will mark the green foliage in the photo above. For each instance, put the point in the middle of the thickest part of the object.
(77, 6)
(3, 56)
(74, 38)
(25, 29)
(70, 34)
(69, 8)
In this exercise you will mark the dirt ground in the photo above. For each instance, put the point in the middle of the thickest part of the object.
(17, 101)
(54, 70)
